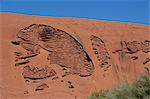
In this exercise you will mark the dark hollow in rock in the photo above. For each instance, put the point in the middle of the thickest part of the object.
(22, 63)
(64, 69)
(39, 89)
(63, 75)
(114, 52)
(43, 86)
(96, 52)
(18, 53)
(147, 60)
(147, 69)
(26, 92)
(71, 86)
(27, 57)
(35, 81)
(54, 78)
(27, 81)
(69, 82)
(63, 48)
(15, 42)
(134, 57)
(105, 70)
(94, 49)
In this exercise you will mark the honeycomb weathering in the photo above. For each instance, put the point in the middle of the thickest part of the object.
(64, 50)
(101, 52)
(135, 46)
(44, 62)
(34, 73)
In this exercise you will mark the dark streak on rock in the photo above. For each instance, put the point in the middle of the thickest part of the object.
(38, 89)
(54, 78)
(22, 63)
(134, 57)
(147, 60)
(43, 86)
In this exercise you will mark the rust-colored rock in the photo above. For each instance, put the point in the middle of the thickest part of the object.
(91, 54)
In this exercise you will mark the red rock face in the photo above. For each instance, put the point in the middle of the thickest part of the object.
(63, 58)
(63, 49)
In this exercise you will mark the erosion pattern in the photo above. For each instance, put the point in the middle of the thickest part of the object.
(34, 73)
(128, 48)
(131, 47)
(101, 52)
(63, 49)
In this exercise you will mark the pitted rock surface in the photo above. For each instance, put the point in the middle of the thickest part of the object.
(101, 52)
(63, 48)
(35, 73)
(131, 47)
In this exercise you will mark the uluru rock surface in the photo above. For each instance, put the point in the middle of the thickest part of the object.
(68, 58)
